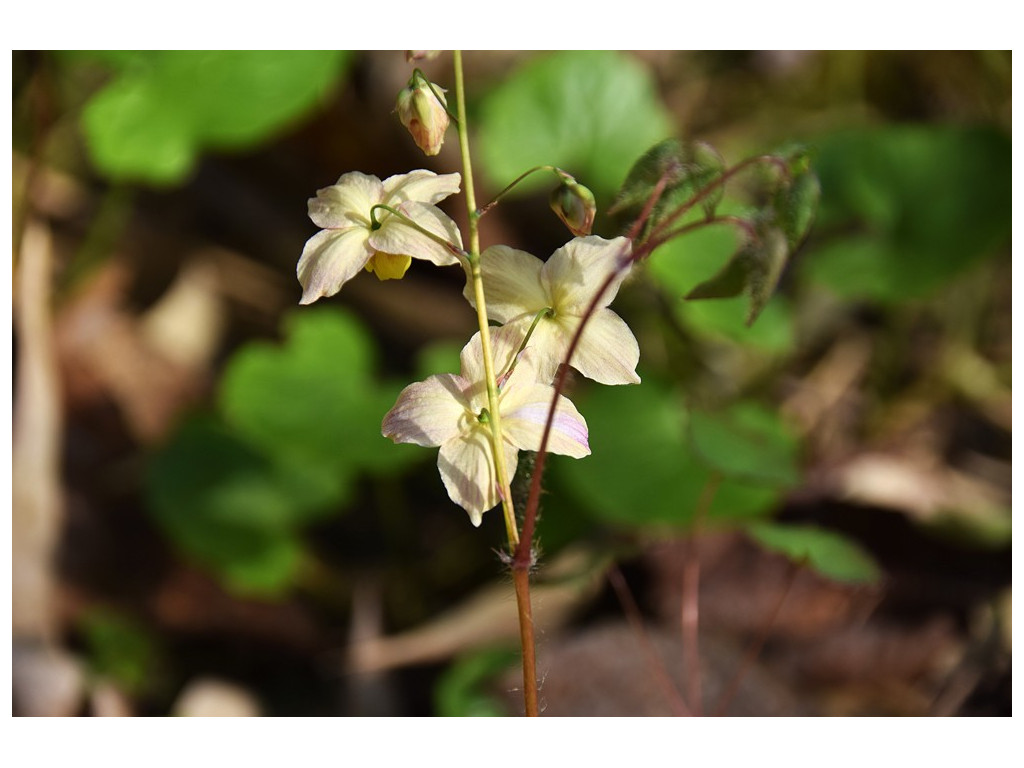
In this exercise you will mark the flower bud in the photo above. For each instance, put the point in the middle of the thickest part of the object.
(424, 114)
(574, 204)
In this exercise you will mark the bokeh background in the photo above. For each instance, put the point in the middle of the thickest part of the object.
(207, 520)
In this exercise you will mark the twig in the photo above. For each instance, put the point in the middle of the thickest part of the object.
(755, 646)
(690, 613)
(654, 661)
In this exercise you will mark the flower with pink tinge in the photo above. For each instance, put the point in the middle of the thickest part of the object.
(518, 286)
(349, 241)
(423, 110)
(450, 411)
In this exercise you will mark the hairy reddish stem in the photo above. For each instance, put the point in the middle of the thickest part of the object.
(521, 577)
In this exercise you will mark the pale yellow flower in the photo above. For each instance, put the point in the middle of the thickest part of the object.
(450, 411)
(518, 286)
(349, 242)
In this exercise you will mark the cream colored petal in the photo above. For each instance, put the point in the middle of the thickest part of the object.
(472, 370)
(505, 343)
(608, 352)
(423, 186)
(512, 284)
(398, 237)
(329, 259)
(548, 345)
(467, 471)
(346, 203)
(428, 412)
(577, 270)
(527, 411)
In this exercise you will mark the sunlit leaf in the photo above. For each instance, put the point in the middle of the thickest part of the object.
(725, 320)
(684, 262)
(314, 400)
(163, 108)
(589, 112)
(642, 470)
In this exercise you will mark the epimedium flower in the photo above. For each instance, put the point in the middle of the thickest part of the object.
(350, 240)
(450, 411)
(521, 289)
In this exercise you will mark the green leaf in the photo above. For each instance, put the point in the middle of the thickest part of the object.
(858, 266)
(460, 690)
(165, 107)
(724, 321)
(643, 470)
(314, 401)
(682, 263)
(796, 202)
(303, 420)
(683, 168)
(829, 553)
(747, 442)
(132, 133)
(589, 112)
(755, 269)
(909, 208)
(229, 508)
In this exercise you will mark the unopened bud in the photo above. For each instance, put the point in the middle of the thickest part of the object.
(424, 114)
(574, 204)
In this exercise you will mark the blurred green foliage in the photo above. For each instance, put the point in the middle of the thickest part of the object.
(460, 691)
(161, 109)
(588, 112)
(827, 552)
(120, 649)
(315, 401)
(746, 442)
(645, 470)
(299, 424)
(227, 506)
(906, 209)
(679, 171)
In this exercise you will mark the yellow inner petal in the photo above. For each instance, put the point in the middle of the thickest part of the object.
(388, 266)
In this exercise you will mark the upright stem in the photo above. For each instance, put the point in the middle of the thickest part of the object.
(476, 276)
(521, 575)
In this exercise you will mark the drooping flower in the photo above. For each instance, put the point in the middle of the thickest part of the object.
(349, 241)
(518, 287)
(423, 110)
(450, 411)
